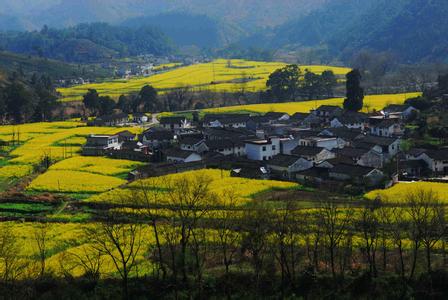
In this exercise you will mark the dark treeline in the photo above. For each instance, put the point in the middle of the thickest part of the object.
(200, 250)
(26, 98)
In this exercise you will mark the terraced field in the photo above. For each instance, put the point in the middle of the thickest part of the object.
(398, 192)
(219, 75)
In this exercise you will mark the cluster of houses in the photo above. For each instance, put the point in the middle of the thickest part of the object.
(324, 146)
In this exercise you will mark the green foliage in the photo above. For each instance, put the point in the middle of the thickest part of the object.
(355, 93)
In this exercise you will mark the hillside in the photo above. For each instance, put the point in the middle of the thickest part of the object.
(248, 13)
(188, 29)
(87, 42)
(11, 62)
(412, 30)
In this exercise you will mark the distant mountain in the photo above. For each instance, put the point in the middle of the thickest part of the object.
(186, 29)
(412, 30)
(87, 43)
(247, 13)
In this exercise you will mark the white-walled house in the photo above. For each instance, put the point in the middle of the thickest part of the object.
(387, 128)
(226, 147)
(262, 149)
(285, 165)
(328, 143)
(436, 160)
(387, 146)
(181, 156)
(313, 154)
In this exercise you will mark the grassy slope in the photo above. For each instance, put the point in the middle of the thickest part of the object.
(215, 76)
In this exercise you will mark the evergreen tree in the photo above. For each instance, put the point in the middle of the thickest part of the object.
(355, 93)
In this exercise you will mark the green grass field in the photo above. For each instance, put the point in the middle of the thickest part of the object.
(219, 75)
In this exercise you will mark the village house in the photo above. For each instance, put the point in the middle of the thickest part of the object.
(388, 147)
(322, 141)
(436, 160)
(119, 119)
(225, 120)
(262, 149)
(348, 135)
(313, 154)
(228, 133)
(327, 112)
(157, 138)
(283, 166)
(361, 156)
(227, 147)
(351, 120)
(125, 135)
(175, 155)
(174, 123)
(356, 174)
(402, 111)
(387, 128)
(193, 144)
(140, 118)
(99, 144)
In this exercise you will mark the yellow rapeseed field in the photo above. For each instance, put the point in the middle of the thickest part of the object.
(398, 192)
(219, 75)
(221, 182)
(74, 182)
(98, 165)
(371, 102)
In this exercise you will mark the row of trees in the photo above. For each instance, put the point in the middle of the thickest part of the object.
(290, 83)
(27, 99)
(279, 251)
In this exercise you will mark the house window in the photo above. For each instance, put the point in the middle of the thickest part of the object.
(264, 157)
(264, 148)
(273, 147)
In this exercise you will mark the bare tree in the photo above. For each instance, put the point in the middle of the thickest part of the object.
(334, 222)
(41, 239)
(427, 221)
(121, 242)
(369, 228)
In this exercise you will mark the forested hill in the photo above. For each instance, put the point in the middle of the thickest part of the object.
(413, 30)
(190, 29)
(87, 42)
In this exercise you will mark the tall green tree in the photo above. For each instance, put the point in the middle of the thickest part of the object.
(355, 93)
(91, 100)
(329, 82)
(148, 99)
(106, 105)
(20, 102)
(284, 83)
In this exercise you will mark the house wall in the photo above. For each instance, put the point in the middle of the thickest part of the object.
(371, 159)
(262, 152)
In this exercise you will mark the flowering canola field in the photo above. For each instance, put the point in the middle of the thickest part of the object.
(219, 75)
(371, 102)
(61, 141)
(398, 192)
(243, 188)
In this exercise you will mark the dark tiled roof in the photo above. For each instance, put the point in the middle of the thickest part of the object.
(222, 144)
(175, 152)
(352, 118)
(341, 160)
(328, 108)
(283, 160)
(352, 170)
(441, 154)
(396, 108)
(344, 133)
(416, 151)
(213, 117)
(125, 133)
(299, 116)
(306, 150)
(351, 152)
(377, 140)
(386, 123)
(190, 140)
(112, 117)
(172, 120)
(275, 115)
(314, 172)
(163, 135)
